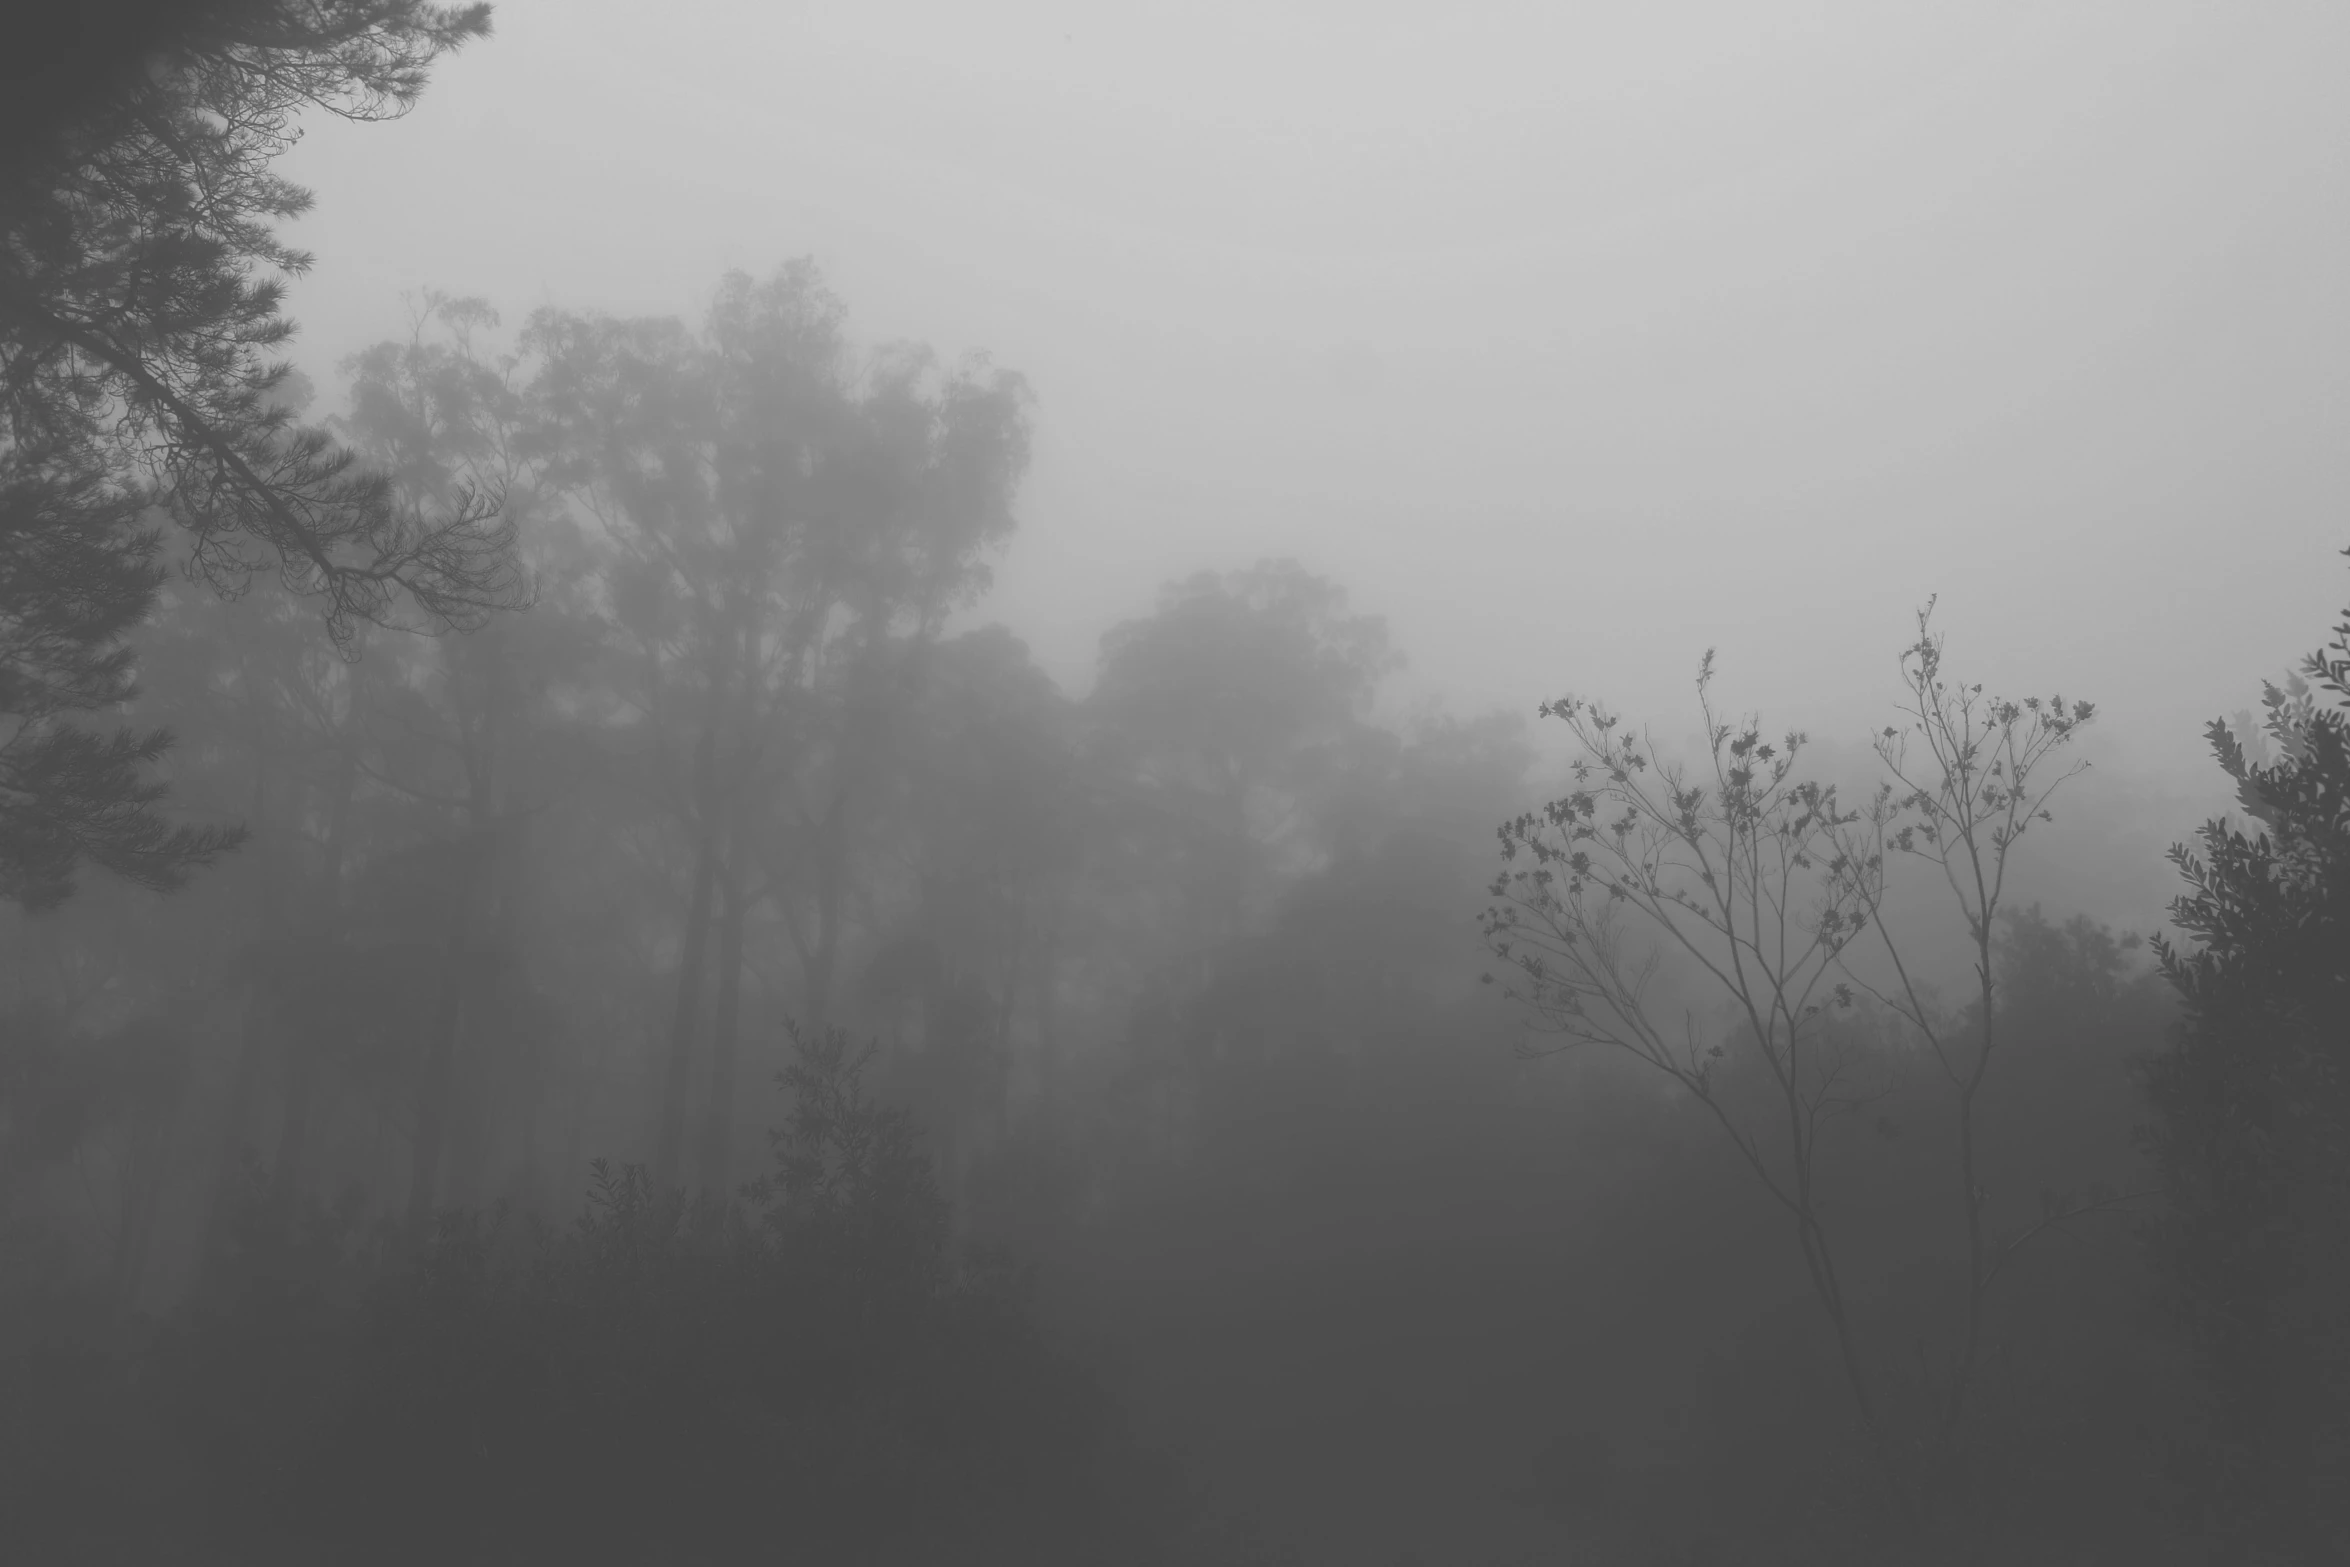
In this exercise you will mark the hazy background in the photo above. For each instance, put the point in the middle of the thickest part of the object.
(1572, 338)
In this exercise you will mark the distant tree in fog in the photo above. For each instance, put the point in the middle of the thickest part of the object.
(140, 293)
(462, 730)
(787, 522)
(1240, 706)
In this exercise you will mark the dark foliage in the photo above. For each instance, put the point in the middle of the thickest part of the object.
(2252, 1134)
(140, 299)
(804, 1371)
(78, 573)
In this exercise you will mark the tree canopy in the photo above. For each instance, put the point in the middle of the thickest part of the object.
(141, 400)
(2251, 1132)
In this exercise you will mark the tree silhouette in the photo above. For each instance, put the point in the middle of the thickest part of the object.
(1756, 884)
(2251, 1119)
(140, 293)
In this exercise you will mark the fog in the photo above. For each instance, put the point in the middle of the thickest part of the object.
(1571, 339)
(433, 1126)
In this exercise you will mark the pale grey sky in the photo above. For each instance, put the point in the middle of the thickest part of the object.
(1571, 337)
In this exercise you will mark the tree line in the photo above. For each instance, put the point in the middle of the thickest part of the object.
(443, 840)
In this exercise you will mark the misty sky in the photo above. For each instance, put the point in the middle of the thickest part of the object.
(1572, 338)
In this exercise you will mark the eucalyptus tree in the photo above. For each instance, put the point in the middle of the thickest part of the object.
(787, 519)
(1239, 705)
(463, 731)
(993, 825)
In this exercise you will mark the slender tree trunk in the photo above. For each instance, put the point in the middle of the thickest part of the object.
(718, 1121)
(228, 1165)
(259, 1016)
(300, 1046)
(574, 1145)
(475, 1080)
(529, 1179)
(1005, 1008)
(1000, 1068)
(526, 1034)
(433, 1086)
(150, 1145)
(480, 1084)
(1045, 987)
(148, 1150)
(685, 1021)
(330, 875)
(717, 1141)
(437, 1081)
(831, 879)
(1970, 1348)
(285, 1174)
(1819, 1260)
(581, 1075)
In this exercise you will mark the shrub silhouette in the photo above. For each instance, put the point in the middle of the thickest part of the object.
(801, 1370)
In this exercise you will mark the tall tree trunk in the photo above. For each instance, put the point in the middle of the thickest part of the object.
(437, 1079)
(150, 1136)
(477, 883)
(718, 1122)
(526, 1042)
(338, 838)
(1015, 972)
(574, 1134)
(474, 1088)
(300, 1045)
(1044, 983)
(434, 1080)
(260, 960)
(685, 1021)
(717, 1142)
(285, 1174)
(1000, 1062)
(529, 1179)
(228, 1166)
(149, 1140)
(824, 955)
